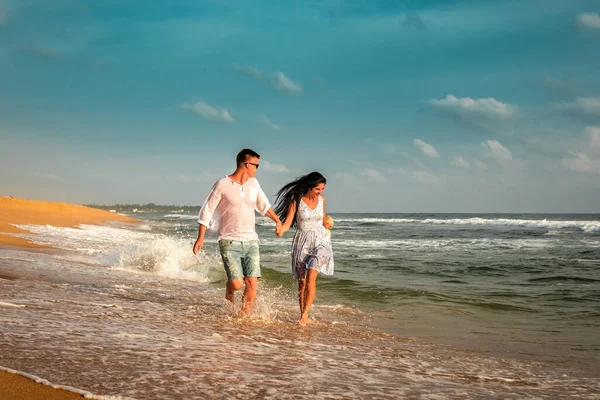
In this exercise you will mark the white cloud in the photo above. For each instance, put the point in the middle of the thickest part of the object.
(425, 177)
(581, 162)
(374, 175)
(501, 154)
(582, 107)
(207, 111)
(467, 108)
(589, 20)
(267, 122)
(460, 162)
(480, 164)
(594, 134)
(277, 80)
(419, 176)
(248, 70)
(49, 177)
(427, 149)
(285, 84)
(588, 162)
(279, 168)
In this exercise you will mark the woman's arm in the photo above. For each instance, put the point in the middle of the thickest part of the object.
(289, 218)
(326, 224)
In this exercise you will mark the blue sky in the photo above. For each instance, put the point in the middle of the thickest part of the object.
(405, 106)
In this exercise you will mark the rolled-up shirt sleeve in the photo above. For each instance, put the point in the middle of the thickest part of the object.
(262, 202)
(210, 205)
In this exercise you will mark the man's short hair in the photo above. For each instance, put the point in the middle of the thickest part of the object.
(243, 154)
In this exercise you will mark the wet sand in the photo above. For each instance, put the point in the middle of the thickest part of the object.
(23, 212)
(17, 387)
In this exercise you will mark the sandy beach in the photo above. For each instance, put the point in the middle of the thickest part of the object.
(14, 211)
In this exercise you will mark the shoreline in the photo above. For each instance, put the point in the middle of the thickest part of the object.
(17, 385)
(15, 211)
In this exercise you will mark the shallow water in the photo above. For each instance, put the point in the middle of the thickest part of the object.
(130, 312)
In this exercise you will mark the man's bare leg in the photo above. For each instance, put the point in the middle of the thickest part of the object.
(309, 296)
(232, 286)
(249, 294)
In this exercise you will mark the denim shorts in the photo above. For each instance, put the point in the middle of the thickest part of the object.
(240, 258)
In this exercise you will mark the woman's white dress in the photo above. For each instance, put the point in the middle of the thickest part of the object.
(311, 247)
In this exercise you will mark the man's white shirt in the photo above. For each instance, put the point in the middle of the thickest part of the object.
(230, 208)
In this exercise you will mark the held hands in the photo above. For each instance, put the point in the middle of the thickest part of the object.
(279, 229)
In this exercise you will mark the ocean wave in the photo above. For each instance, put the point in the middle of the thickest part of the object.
(128, 249)
(180, 216)
(589, 226)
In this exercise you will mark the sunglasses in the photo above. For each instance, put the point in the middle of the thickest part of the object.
(256, 165)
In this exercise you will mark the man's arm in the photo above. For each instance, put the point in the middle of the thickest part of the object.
(205, 216)
(278, 226)
(264, 208)
(200, 241)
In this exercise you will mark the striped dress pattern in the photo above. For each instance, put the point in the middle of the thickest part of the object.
(311, 246)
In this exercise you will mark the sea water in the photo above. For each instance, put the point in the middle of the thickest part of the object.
(420, 306)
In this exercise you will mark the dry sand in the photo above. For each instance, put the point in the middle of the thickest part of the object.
(33, 212)
(21, 212)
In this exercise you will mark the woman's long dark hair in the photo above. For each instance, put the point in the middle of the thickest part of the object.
(293, 192)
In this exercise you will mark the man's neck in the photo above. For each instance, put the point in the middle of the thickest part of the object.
(239, 176)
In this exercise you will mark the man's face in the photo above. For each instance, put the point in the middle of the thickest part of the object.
(251, 165)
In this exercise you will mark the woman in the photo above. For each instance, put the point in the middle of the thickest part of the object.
(300, 204)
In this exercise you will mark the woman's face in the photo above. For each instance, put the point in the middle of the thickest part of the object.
(317, 190)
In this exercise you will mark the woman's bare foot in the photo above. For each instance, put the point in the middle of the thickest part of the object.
(303, 320)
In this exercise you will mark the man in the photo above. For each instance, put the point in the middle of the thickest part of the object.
(234, 199)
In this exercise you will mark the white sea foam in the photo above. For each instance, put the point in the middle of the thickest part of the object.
(463, 244)
(128, 249)
(586, 226)
(180, 216)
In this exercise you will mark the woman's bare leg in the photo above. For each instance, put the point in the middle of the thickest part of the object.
(309, 294)
(301, 293)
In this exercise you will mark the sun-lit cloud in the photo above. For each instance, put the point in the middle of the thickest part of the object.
(480, 164)
(467, 109)
(374, 175)
(583, 108)
(265, 120)
(581, 162)
(427, 149)
(593, 133)
(285, 84)
(459, 162)
(248, 70)
(207, 111)
(589, 20)
(46, 176)
(495, 150)
(425, 177)
(276, 80)
(279, 168)
(587, 161)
